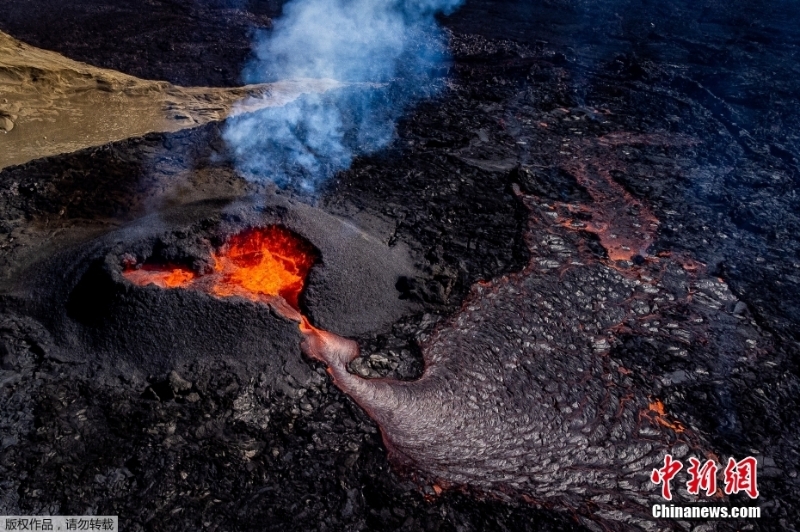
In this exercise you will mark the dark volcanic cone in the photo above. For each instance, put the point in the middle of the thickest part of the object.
(103, 310)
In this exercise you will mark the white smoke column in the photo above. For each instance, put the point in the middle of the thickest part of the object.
(364, 43)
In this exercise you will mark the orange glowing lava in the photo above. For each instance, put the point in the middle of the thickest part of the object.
(165, 278)
(625, 226)
(270, 261)
(658, 413)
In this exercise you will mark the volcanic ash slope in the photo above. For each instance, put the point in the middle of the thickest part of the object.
(50, 104)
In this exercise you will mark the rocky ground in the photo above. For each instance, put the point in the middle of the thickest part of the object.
(678, 120)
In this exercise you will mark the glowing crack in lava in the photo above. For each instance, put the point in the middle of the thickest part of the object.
(174, 277)
(257, 263)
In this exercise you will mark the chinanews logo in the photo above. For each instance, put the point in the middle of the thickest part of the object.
(738, 476)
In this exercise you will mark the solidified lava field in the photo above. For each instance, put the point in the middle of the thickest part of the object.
(579, 251)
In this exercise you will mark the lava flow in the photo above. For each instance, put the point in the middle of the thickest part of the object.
(625, 226)
(270, 261)
(534, 409)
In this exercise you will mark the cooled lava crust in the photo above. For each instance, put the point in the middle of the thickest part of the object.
(590, 109)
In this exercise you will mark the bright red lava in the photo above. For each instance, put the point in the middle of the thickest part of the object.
(269, 261)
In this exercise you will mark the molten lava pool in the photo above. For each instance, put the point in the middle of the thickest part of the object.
(268, 261)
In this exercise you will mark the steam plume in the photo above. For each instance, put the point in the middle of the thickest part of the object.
(385, 51)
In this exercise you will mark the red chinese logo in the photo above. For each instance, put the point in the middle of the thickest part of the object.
(704, 478)
(738, 476)
(665, 474)
(741, 476)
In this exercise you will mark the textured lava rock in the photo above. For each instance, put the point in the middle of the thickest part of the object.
(519, 395)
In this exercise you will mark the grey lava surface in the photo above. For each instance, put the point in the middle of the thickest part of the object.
(469, 259)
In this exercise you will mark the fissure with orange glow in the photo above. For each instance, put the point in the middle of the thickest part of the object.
(165, 277)
(657, 412)
(270, 261)
(625, 226)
